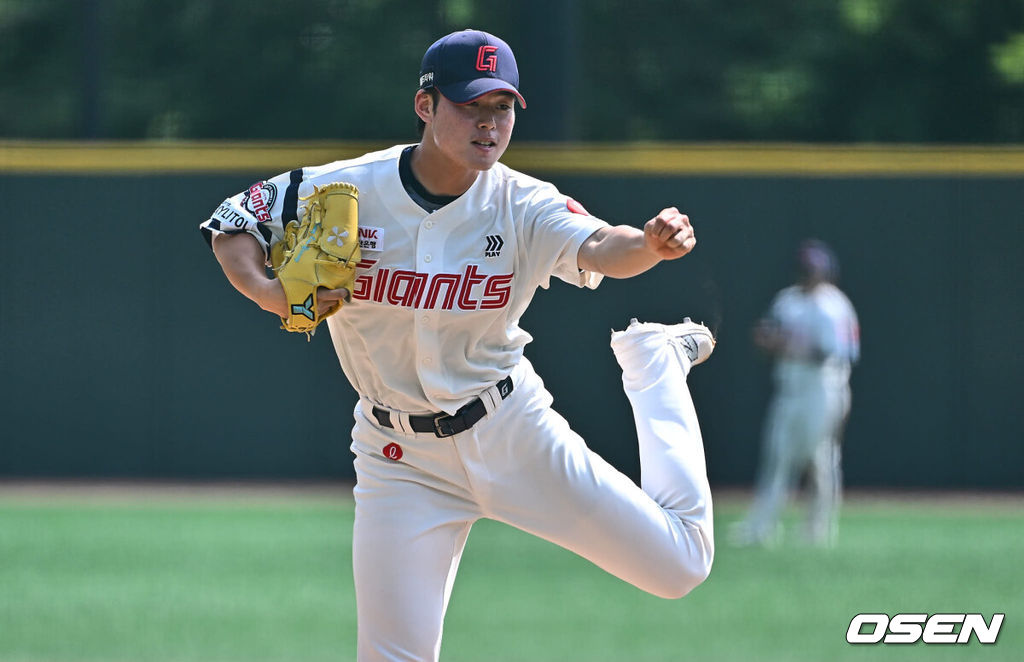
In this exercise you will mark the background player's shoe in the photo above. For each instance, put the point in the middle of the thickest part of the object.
(745, 534)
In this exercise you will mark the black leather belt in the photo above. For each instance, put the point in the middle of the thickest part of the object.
(444, 425)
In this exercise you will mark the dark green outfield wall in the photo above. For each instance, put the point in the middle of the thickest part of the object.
(125, 353)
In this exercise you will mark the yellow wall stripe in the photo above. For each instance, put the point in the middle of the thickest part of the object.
(741, 159)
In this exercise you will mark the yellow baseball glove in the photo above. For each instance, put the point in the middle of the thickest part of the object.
(319, 250)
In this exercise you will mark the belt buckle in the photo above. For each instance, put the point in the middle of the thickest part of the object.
(443, 426)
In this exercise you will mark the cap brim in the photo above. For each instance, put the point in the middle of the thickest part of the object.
(469, 90)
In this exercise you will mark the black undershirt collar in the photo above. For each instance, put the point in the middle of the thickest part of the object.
(416, 191)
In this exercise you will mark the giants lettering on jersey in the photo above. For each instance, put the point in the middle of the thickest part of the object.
(469, 290)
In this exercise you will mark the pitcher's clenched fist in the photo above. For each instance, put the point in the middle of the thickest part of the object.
(669, 235)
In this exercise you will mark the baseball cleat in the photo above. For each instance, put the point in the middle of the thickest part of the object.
(695, 339)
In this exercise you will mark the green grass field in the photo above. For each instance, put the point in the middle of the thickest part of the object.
(265, 575)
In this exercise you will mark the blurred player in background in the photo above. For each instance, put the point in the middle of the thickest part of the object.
(811, 332)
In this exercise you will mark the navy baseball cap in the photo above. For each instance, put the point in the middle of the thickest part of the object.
(466, 65)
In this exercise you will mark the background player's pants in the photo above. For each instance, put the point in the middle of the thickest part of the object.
(802, 433)
(523, 465)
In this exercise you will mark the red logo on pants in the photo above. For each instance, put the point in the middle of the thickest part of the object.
(393, 452)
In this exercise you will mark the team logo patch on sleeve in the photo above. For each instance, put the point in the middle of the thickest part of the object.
(259, 200)
(576, 207)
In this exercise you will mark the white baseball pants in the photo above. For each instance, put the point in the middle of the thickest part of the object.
(802, 433)
(523, 465)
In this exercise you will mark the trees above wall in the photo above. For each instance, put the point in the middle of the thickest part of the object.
(801, 70)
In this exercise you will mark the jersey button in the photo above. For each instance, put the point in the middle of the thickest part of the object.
(428, 360)
(427, 258)
(428, 224)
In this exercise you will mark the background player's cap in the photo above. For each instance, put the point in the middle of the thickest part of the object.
(469, 64)
(816, 258)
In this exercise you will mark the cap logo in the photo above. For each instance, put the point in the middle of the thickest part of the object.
(486, 60)
(467, 65)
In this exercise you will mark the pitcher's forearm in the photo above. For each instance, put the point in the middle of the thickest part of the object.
(617, 252)
(244, 263)
(623, 251)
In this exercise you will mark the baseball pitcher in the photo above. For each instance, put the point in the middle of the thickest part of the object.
(421, 264)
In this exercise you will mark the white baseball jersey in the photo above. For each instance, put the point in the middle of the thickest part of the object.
(822, 336)
(434, 324)
(434, 316)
